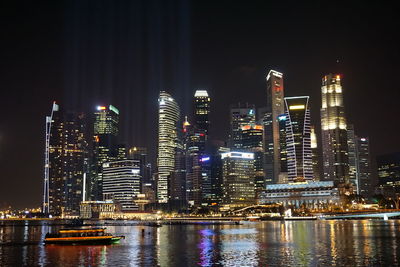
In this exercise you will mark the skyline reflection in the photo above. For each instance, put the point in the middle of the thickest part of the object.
(335, 243)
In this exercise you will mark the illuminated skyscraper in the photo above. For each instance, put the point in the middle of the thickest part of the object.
(298, 139)
(389, 173)
(121, 183)
(334, 134)
(275, 108)
(168, 118)
(240, 116)
(364, 182)
(104, 145)
(192, 144)
(54, 167)
(66, 162)
(252, 141)
(351, 144)
(359, 163)
(202, 111)
(238, 178)
(282, 148)
(201, 126)
(315, 155)
(140, 154)
(75, 159)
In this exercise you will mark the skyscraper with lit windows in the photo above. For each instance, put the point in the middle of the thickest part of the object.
(105, 148)
(364, 182)
(168, 117)
(201, 111)
(67, 164)
(238, 178)
(298, 139)
(334, 131)
(121, 183)
(275, 108)
(315, 155)
(240, 115)
(252, 141)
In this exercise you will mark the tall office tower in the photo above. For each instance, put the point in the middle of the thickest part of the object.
(363, 167)
(275, 108)
(193, 166)
(140, 154)
(177, 185)
(282, 149)
(216, 178)
(389, 172)
(315, 155)
(351, 144)
(202, 111)
(201, 126)
(167, 142)
(298, 139)
(54, 197)
(75, 159)
(121, 182)
(238, 178)
(104, 145)
(252, 141)
(66, 162)
(334, 134)
(240, 115)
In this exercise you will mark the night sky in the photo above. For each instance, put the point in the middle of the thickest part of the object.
(84, 53)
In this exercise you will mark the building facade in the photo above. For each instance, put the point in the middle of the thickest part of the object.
(121, 183)
(312, 195)
(67, 164)
(238, 178)
(240, 115)
(389, 173)
(334, 131)
(351, 144)
(252, 141)
(315, 155)
(275, 108)
(168, 118)
(298, 139)
(364, 178)
(105, 149)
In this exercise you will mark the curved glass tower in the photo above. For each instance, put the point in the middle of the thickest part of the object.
(168, 117)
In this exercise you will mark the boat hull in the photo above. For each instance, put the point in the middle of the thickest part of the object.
(106, 240)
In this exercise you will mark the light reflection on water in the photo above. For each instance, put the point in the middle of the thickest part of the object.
(296, 243)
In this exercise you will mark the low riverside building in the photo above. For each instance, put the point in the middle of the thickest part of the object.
(97, 209)
(313, 195)
(109, 210)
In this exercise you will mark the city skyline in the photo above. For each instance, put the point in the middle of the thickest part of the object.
(246, 75)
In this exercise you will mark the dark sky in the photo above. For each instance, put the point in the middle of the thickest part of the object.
(83, 53)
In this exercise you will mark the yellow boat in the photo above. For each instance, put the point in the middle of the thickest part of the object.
(93, 236)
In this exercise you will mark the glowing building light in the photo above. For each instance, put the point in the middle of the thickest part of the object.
(282, 118)
(296, 107)
(201, 93)
(205, 159)
(241, 155)
(116, 111)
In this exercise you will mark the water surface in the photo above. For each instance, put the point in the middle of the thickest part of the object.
(273, 243)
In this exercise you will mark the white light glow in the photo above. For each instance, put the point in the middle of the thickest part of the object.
(237, 155)
(201, 93)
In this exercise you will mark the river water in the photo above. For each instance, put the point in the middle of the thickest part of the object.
(271, 243)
